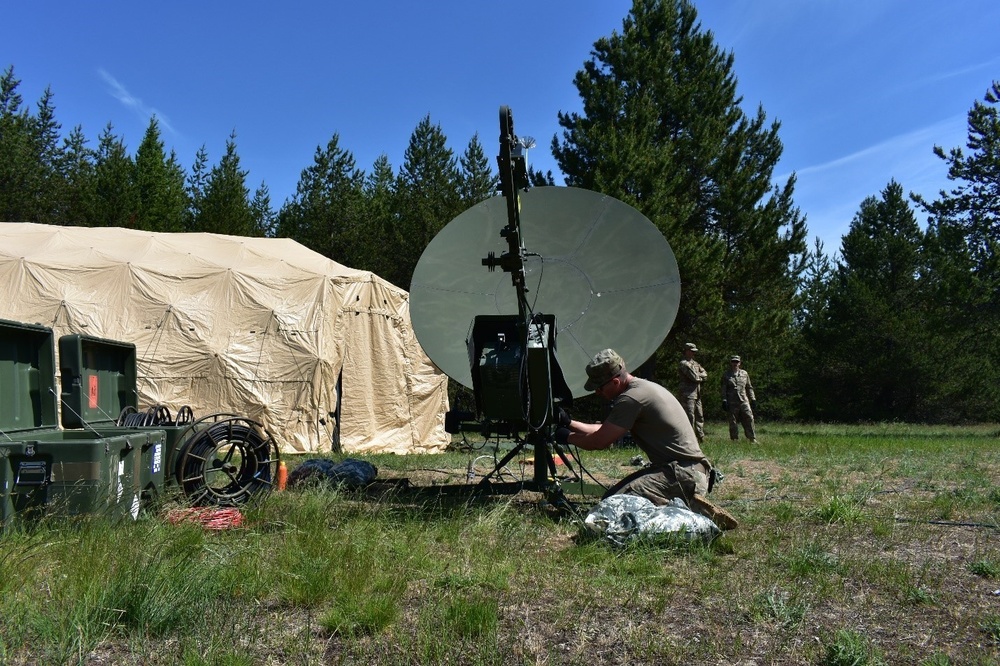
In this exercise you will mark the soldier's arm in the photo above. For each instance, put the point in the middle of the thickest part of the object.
(595, 436)
(687, 372)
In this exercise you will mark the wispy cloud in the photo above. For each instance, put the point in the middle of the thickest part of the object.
(830, 193)
(989, 65)
(895, 150)
(119, 92)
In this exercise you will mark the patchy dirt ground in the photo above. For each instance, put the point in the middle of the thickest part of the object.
(899, 568)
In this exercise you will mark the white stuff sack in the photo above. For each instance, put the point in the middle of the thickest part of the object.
(623, 518)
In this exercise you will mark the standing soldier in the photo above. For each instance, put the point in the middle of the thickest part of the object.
(692, 377)
(738, 400)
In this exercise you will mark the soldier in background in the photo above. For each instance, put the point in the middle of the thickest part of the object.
(692, 377)
(738, 400)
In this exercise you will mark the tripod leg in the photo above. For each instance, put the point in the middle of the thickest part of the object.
(500, 465)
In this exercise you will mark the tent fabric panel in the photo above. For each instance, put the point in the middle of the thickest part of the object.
(427, 392)
(371, 367)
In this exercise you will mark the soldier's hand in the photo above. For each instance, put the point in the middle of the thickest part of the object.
(725, 405)
(753, 404)
(562, 435)
(563, 418)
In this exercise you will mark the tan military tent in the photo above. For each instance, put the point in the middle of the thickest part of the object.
(259, 327)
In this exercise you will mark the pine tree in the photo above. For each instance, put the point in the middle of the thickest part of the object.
(872, 337)
(10, 99)
(326, 212)
(427, 196)
(816, 283)
(78, 171)
(380, 245)
(14, 150)
(196, 183)
(29, 153)
(476, 181)
(160, 206)
(225, 207)
(973, 206)
(176, 202)
(964, 267)
(263, 215)
(46, 182)
(662, 129)
(116, 199)
(800, 394)
(539, 179)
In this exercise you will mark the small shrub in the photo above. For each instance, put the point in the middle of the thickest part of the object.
(944, 506)
(883, 528)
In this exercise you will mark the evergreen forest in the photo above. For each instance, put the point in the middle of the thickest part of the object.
(897, 324)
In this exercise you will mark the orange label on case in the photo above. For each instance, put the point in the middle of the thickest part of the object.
(92, 391)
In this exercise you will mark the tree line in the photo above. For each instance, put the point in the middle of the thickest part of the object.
(899, 324)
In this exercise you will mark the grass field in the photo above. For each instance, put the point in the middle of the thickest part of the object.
(857, 545)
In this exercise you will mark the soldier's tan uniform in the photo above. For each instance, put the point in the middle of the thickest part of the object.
(692, 377)
(737, 392)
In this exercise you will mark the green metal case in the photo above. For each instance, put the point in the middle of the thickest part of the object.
(99, 382)
(44, 469)
(74, 472)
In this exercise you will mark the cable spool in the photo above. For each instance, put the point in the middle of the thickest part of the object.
(125, 416)
(185, 415)
(155, 415)
(225, 460)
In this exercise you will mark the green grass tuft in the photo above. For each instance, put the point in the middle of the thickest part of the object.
(849, 648)
(991, 627)
(986, 568)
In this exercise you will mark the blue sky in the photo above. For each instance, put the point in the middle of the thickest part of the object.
(863, 90)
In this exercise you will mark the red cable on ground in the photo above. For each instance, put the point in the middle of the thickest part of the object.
(210, 519)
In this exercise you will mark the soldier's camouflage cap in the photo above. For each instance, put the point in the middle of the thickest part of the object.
(690, 345)
(604, 367)
(734, 357)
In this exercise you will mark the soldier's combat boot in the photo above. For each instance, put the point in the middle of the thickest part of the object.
(718, 515)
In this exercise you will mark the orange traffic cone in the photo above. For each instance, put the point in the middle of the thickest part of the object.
(282, 475)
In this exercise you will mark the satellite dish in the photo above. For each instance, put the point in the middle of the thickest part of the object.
(599, 265)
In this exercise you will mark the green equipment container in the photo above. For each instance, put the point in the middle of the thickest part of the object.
(219, 460)
(46, 469)
(98, 383)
